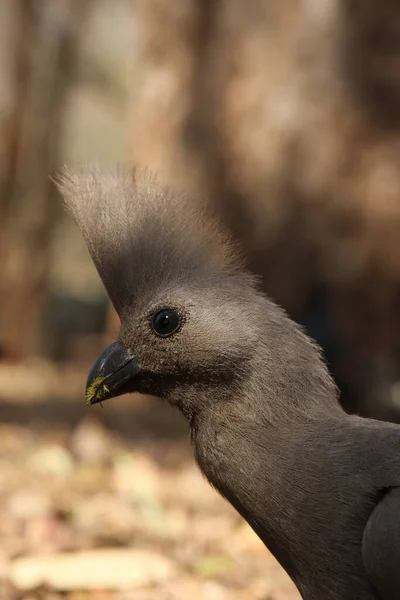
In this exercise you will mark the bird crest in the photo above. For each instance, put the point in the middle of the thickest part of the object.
(141, 233)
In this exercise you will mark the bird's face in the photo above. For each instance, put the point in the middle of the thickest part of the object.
(186, 343)
(177, 281)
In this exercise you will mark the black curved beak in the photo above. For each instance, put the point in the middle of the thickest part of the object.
(114, 368)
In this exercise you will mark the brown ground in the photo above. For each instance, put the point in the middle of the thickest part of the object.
(121, 484)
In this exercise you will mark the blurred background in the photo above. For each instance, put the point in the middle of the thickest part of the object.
(286, 118)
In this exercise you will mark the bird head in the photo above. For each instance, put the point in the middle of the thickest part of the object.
(185, 302)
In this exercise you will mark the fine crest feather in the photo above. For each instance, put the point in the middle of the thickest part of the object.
(141, 233)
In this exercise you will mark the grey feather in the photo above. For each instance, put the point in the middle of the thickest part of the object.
(138, 231)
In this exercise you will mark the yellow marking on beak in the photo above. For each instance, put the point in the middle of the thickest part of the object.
(94, 388)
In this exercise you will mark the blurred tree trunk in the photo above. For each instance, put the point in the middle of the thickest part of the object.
(43, 54)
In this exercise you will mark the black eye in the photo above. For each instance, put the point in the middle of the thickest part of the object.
(166, 322)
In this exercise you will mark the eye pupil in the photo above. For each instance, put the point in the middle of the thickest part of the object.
(166, 322)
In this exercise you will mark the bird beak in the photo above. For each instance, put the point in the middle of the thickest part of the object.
(109, 374)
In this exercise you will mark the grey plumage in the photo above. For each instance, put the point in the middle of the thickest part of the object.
(317, 485)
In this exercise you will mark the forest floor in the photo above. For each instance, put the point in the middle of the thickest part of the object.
(109, 504)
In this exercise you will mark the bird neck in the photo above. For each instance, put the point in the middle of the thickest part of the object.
(275, 477)
(249, 445)
(262, 466)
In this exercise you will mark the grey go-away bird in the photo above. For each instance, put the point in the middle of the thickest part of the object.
(318, 486)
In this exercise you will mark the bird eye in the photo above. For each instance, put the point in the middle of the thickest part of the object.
(166, 322)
